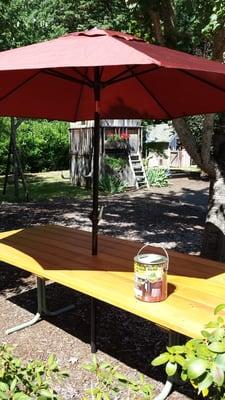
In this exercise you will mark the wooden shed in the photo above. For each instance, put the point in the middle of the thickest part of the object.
(117, 137)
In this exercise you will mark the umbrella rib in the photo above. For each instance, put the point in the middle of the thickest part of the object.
(19, 86)
(202, 80)
(79, 99)
(152, 95)
(101, 71)
(66, 77)
(83, 76)
(120, 77)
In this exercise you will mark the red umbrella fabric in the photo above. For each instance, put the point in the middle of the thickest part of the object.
(107, 74)
(55, 79)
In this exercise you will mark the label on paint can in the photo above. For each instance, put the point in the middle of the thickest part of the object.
(150, 277)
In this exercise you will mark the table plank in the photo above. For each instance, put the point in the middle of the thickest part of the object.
(64, 256)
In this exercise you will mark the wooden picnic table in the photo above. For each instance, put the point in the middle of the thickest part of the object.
(63, 255)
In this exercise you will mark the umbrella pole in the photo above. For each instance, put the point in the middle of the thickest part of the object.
(96, 140)
(94, 214)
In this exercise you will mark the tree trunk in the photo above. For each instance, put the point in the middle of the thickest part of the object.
(163, 25)
(213, 245)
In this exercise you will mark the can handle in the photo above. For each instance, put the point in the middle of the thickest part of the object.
(163, 248)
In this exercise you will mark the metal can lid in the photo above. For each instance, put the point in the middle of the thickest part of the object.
(150, 258)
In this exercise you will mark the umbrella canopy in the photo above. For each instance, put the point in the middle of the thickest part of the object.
(107, 74)
(55, 79)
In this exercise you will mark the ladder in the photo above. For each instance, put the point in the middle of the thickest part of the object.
(137, 168)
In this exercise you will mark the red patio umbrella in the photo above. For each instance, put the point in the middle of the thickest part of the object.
(107, 74)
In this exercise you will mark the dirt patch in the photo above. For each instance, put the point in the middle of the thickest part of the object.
(173, 217)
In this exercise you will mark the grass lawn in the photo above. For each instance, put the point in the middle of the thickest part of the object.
(44, 186)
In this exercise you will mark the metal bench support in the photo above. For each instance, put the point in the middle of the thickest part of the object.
(174, 338)
(93, 325)
(41, 308)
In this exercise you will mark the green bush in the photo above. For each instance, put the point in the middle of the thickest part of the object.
(20, 381)
(111, 184)
(200, 361)
(157, 177)
(115, 163)
(43, 145)
(111, 384)
(156, 147)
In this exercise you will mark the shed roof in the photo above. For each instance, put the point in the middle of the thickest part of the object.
(117, 123)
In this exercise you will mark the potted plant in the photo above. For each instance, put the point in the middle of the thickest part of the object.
(117, 141)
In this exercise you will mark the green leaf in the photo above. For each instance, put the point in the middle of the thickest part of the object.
(203, 351)
(21, 396)
(207, 381)
(4, 396)
(3, 387)
(220, 361)
(13, 384)
(212, 324)
(218, 375)
(217, 347)
(196, 368)
(171, 368)
(176, 349)
(219, 308)
(52, 363)
(161, 359)
(183, 376)
(121, 377)
(89, 367)
(205, 334)
(46, 393)
(179, 359)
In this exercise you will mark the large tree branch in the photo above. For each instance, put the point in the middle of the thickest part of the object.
(206, 144)
(187, 139)
(218, 48)
(156, 25)
(192, 147)
(168, 17)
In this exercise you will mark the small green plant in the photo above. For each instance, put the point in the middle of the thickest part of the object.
(157, 177)
(27, 381)
(115, 163)
(200, 361)
(111, 184)
(111, 384)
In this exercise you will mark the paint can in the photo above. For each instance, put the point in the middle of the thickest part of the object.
(150, 276)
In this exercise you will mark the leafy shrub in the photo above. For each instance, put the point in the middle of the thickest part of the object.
(111, 184)
(156, 147)
(115, 163)
(157, 177)
(19, 381)
(200, 361)
(43, 145)
(111, 384)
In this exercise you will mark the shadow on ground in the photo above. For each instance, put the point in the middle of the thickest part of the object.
(127, 338)
(173, 219)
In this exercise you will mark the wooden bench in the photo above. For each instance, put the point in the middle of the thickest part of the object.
(63, 255)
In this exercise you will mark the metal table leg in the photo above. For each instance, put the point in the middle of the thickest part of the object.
(41, 308)
(174, 338)
(93, 325)
(45, 309)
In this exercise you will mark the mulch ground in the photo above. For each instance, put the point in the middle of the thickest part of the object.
(173, 217)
